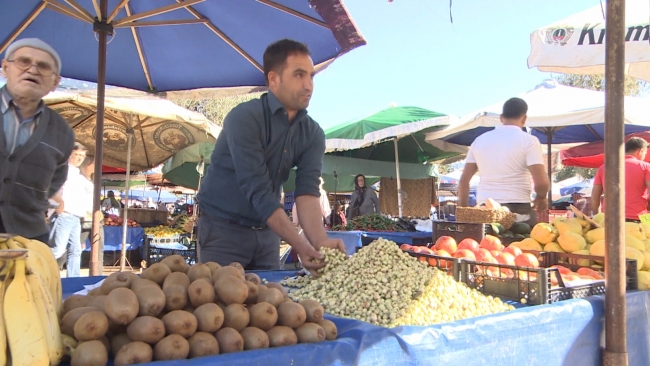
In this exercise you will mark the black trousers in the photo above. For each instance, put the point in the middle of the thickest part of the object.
(45, 238)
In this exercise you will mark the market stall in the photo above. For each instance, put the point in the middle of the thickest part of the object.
(563, 333)
(113, 238)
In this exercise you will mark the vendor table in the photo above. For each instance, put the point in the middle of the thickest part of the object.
(113, 238)
(356, 239)
(563, 333)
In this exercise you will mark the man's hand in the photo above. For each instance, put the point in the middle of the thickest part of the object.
(307, 254)
(59, 208)
(540, 204)
(331, 243)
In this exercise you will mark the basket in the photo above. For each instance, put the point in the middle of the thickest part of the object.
(534, 286)
(484, 215)
(459, 230)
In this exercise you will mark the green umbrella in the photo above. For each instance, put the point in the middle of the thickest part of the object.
(395, 135)
(183, 167)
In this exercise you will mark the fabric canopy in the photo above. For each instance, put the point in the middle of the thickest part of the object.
(576, 45)
(160, 127)
(570, 115)
(592, 155)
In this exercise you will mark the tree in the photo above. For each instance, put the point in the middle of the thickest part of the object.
(571, 171)
(215, 109)
(633, 87)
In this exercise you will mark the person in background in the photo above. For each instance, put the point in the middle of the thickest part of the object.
(150, 204)
(110, 205)
(337, 216)
(66, 222)
(87, 169)
(637, 181)
(325, 209)
(507, 157)
(36, 142)
(363, 201)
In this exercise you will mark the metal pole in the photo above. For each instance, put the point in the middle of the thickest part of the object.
(549, 162)
(615, 353)
(399, 184)
(102, 32)
(125, 227)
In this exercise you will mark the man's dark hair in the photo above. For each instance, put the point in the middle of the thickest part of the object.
(275, 56)
(514, 108)
(635, 144)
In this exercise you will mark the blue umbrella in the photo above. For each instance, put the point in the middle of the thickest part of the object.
(577, 187)
(161, 45)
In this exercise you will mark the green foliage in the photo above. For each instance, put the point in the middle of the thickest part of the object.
(571, 171)
(215, 109)
(633, 87)
(445, 168)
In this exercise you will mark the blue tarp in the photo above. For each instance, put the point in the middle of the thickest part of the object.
(566, 333)
(113, 238)
(577, 187)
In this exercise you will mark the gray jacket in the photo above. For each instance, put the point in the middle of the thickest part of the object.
(33, 173)
(370, 204)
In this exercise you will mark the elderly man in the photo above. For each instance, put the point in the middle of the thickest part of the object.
(36, 142)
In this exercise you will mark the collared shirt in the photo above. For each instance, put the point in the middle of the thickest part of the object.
(252, 160)
(637, 174)
(17, 129)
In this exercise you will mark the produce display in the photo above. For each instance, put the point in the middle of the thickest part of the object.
(382, 285)
(163, 231)
(113, 220)
(369, 223)
(30, 301)
(177, 311)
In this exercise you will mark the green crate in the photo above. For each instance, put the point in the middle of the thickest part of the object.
(459, 230)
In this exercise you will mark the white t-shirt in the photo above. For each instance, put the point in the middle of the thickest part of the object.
(75, 201)
(503, 157)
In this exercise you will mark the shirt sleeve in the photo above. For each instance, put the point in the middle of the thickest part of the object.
(375, 200)
(310, 165)
(243, 136)
(646, 172)
(534, 152)
(598, 179)
(470, 155)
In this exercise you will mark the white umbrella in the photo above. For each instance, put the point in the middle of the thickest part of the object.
(576, 45)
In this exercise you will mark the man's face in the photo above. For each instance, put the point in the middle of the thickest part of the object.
(37, 80)
(77, 157)
(361, 182)
(295, 84)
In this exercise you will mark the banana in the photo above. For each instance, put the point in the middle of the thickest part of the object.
(55, 276)
(3, 333)
(34, 261)
(48, 318)
(25, 334)
(69, 345)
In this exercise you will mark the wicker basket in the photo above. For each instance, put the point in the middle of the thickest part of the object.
(482, 215)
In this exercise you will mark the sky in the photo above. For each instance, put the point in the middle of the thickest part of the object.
(416, 56)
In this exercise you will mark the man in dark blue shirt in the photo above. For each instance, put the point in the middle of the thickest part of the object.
(241, 216)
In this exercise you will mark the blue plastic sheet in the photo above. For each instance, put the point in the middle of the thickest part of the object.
(566, 333)
(113, 238)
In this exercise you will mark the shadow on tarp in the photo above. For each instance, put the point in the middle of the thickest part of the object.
(566, 333)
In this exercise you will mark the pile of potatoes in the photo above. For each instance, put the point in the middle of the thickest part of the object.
(177, 311)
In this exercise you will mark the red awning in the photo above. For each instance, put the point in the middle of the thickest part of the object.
(110, 169)
(592, 155)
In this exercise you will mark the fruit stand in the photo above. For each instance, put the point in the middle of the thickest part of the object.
(564, 333)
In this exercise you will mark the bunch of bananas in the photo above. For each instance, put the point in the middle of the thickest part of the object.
(30, 303)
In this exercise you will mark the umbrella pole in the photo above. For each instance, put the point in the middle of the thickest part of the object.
(102, 30)
(125, 227)
(549, 164)
(615, 352)
(399, 183)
